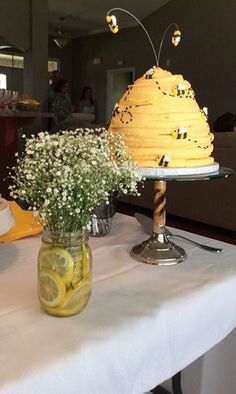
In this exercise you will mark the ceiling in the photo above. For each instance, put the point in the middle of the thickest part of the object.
(88, 16)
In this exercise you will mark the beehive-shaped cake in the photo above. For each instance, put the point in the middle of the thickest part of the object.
(162, 124)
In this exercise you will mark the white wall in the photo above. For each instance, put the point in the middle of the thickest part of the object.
(15, 22)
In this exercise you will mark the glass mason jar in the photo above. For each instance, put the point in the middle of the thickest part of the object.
(64, 273)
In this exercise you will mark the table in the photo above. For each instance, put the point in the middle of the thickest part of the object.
(143, 323)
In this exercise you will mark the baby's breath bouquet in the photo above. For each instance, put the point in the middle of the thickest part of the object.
(63, 177)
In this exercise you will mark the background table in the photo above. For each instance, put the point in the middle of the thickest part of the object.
(143, 323)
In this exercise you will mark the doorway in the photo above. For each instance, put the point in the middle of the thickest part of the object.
(118, 80)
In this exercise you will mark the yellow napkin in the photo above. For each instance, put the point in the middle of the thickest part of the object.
(25, 226)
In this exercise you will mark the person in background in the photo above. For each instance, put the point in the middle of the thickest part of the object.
(55, 77)
(86, 103)
(225, 122)
(61, 106)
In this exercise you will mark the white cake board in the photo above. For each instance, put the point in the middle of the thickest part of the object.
(163, 171)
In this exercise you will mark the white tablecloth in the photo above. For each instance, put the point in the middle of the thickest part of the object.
(143, 323)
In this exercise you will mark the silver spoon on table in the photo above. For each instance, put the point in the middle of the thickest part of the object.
(147, 225)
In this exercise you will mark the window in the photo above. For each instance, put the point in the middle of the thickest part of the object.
(3, 81)
(14, 61)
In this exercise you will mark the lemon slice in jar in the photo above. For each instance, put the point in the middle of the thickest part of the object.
(52, 290)
(75, 301)
(58, 260)
(77, 274)
(82, 267)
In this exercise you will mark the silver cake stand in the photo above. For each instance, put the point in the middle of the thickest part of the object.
(158, 249)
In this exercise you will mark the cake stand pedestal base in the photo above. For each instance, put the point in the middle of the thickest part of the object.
(158, 250)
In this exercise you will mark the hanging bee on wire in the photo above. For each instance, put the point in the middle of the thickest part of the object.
(176, 37)
(112, 23)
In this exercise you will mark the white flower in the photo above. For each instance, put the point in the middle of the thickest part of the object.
(65, 176)
(58, 153)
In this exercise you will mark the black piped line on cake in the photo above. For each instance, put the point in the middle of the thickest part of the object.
(189, 93)
(117, 111)
(128, 90)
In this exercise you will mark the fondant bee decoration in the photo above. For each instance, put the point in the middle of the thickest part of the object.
(149, 73)
(176, 38)
(180, 89)
(180, 134)
(164, 161)
(205, 111)
(116, 110)
(112, 23)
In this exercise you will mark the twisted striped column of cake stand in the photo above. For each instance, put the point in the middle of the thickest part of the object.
(158, 249)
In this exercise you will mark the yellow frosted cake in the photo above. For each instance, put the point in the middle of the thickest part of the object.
(162, 124)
